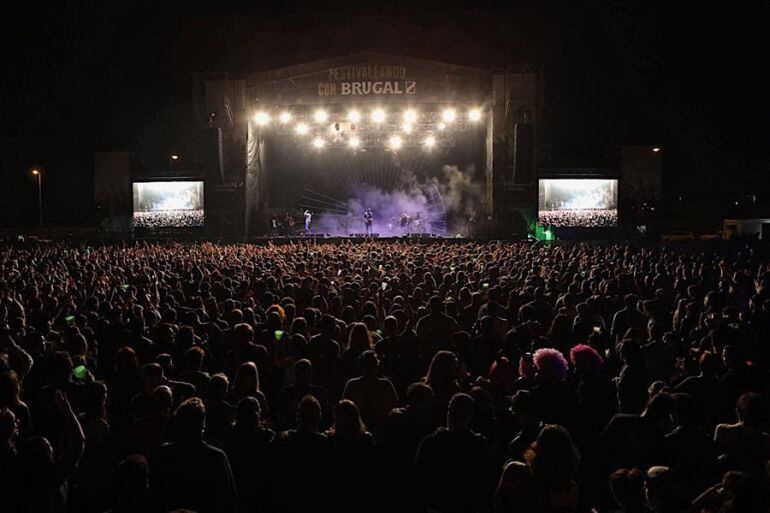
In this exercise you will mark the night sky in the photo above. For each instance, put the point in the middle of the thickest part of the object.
(80, 77)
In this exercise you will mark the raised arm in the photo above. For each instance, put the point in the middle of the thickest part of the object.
(75, 439)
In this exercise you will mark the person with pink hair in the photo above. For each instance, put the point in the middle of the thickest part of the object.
(596, 395)
(551, 365)
(585, 358)
(556, 399)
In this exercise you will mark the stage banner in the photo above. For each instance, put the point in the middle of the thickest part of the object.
(371, 77)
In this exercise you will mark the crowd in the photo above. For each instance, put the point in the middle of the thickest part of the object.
(169, 219)
(383, 376)
(580, 218)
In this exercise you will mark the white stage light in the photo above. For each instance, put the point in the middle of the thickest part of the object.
(449, 115)
(354, 116)
(354, 142)
(474, 114)
(285, 117)
(394, 142)
(410, 116)
(302, 128)
(320, 116)
(262, 118)
(441, 126)
(318, 142)
(429, 141)
(378, 115)
(407, 128)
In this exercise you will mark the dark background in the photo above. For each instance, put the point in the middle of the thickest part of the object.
(80, 77)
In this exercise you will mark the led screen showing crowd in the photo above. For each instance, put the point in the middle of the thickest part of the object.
(168, 205)
(583, 203)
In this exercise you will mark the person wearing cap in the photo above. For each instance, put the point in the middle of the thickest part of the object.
(525, 411)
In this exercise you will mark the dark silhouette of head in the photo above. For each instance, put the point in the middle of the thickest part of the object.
(460, 413)
(308, 414)
(190, 420)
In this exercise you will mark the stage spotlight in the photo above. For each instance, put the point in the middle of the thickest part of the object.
(394, 142)
(656, 150)
(441, 126)
(320, 116)
(354, 116)
(449, 115)
(407, 128)
(354, 142)
(410, 116)
(474, 115)
(318, 142)
(285, 117)
(302, 129)
(262, 118)
(378, 115)
(429, 141)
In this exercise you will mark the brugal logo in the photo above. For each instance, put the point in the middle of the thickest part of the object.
(367, 80)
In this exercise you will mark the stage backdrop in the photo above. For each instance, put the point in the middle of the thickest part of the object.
(507, 97)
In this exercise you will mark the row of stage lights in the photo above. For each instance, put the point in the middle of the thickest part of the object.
(377, 116)
(395, 142)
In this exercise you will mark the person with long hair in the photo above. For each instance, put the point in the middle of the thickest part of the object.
(359, 340)
(546, 482)
(246, 384)
(352, 450)
(627, 489)
(442, 379)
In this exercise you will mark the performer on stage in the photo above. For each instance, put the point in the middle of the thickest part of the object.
(417, 222)
(368, 219)
(308, 219)
(289, 221)
(470, 224)
(406, 222)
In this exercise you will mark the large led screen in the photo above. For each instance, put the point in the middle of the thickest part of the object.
(578, 203)
(168, 204)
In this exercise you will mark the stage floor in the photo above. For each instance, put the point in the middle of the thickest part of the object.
(352, 238)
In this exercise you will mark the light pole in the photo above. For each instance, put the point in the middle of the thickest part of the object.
(39, 175)
(173, 158)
